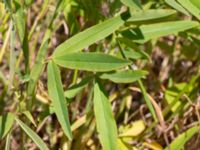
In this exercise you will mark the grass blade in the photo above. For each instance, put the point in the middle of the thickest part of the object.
(38, 141)
(105, 122)
(56, 94)
(6, 122)
(19, 18)
(177, 6)
(190, 7)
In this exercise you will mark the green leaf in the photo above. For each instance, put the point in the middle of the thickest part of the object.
(91, 61)
(76, 88)
(20, 22)
(133, 4)
(179, 142)
(136, 54)
(19, 18)
(105, 122)
(90, 36)
(150, 14)
(124, 76)
(196, 3)
(56, 94)
(38, 141)
(177, 6)
(148, 32)
(190, 7)
(147, 100)
(133, 129)
(6, 122)
(39, 64)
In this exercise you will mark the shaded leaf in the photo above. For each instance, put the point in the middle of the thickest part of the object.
(39, 64)
(177, 6)
(30, 117)
(76, 88)
(124, 76)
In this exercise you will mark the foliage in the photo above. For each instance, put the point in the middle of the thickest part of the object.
(99, 74)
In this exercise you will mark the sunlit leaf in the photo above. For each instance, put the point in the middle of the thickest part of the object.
(56, 94)
(105, 122)
(91, 61)
(6, 122)
(193, 9)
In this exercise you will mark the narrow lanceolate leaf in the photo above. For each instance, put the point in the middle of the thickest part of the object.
(8, 142)
(6, 122)
(147, 32)
(180, 141)
(90, 36)
(39, 64)
(194, 10)
(124, 76)
(19, 18)
(98, 62)
(135, 4)
(177, 6)
(136, 54)
(76, 88)
(150, 14)
(38, 141)
(56, 94)
(105, 122)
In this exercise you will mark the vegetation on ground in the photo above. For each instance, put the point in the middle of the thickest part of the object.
(99, 74)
